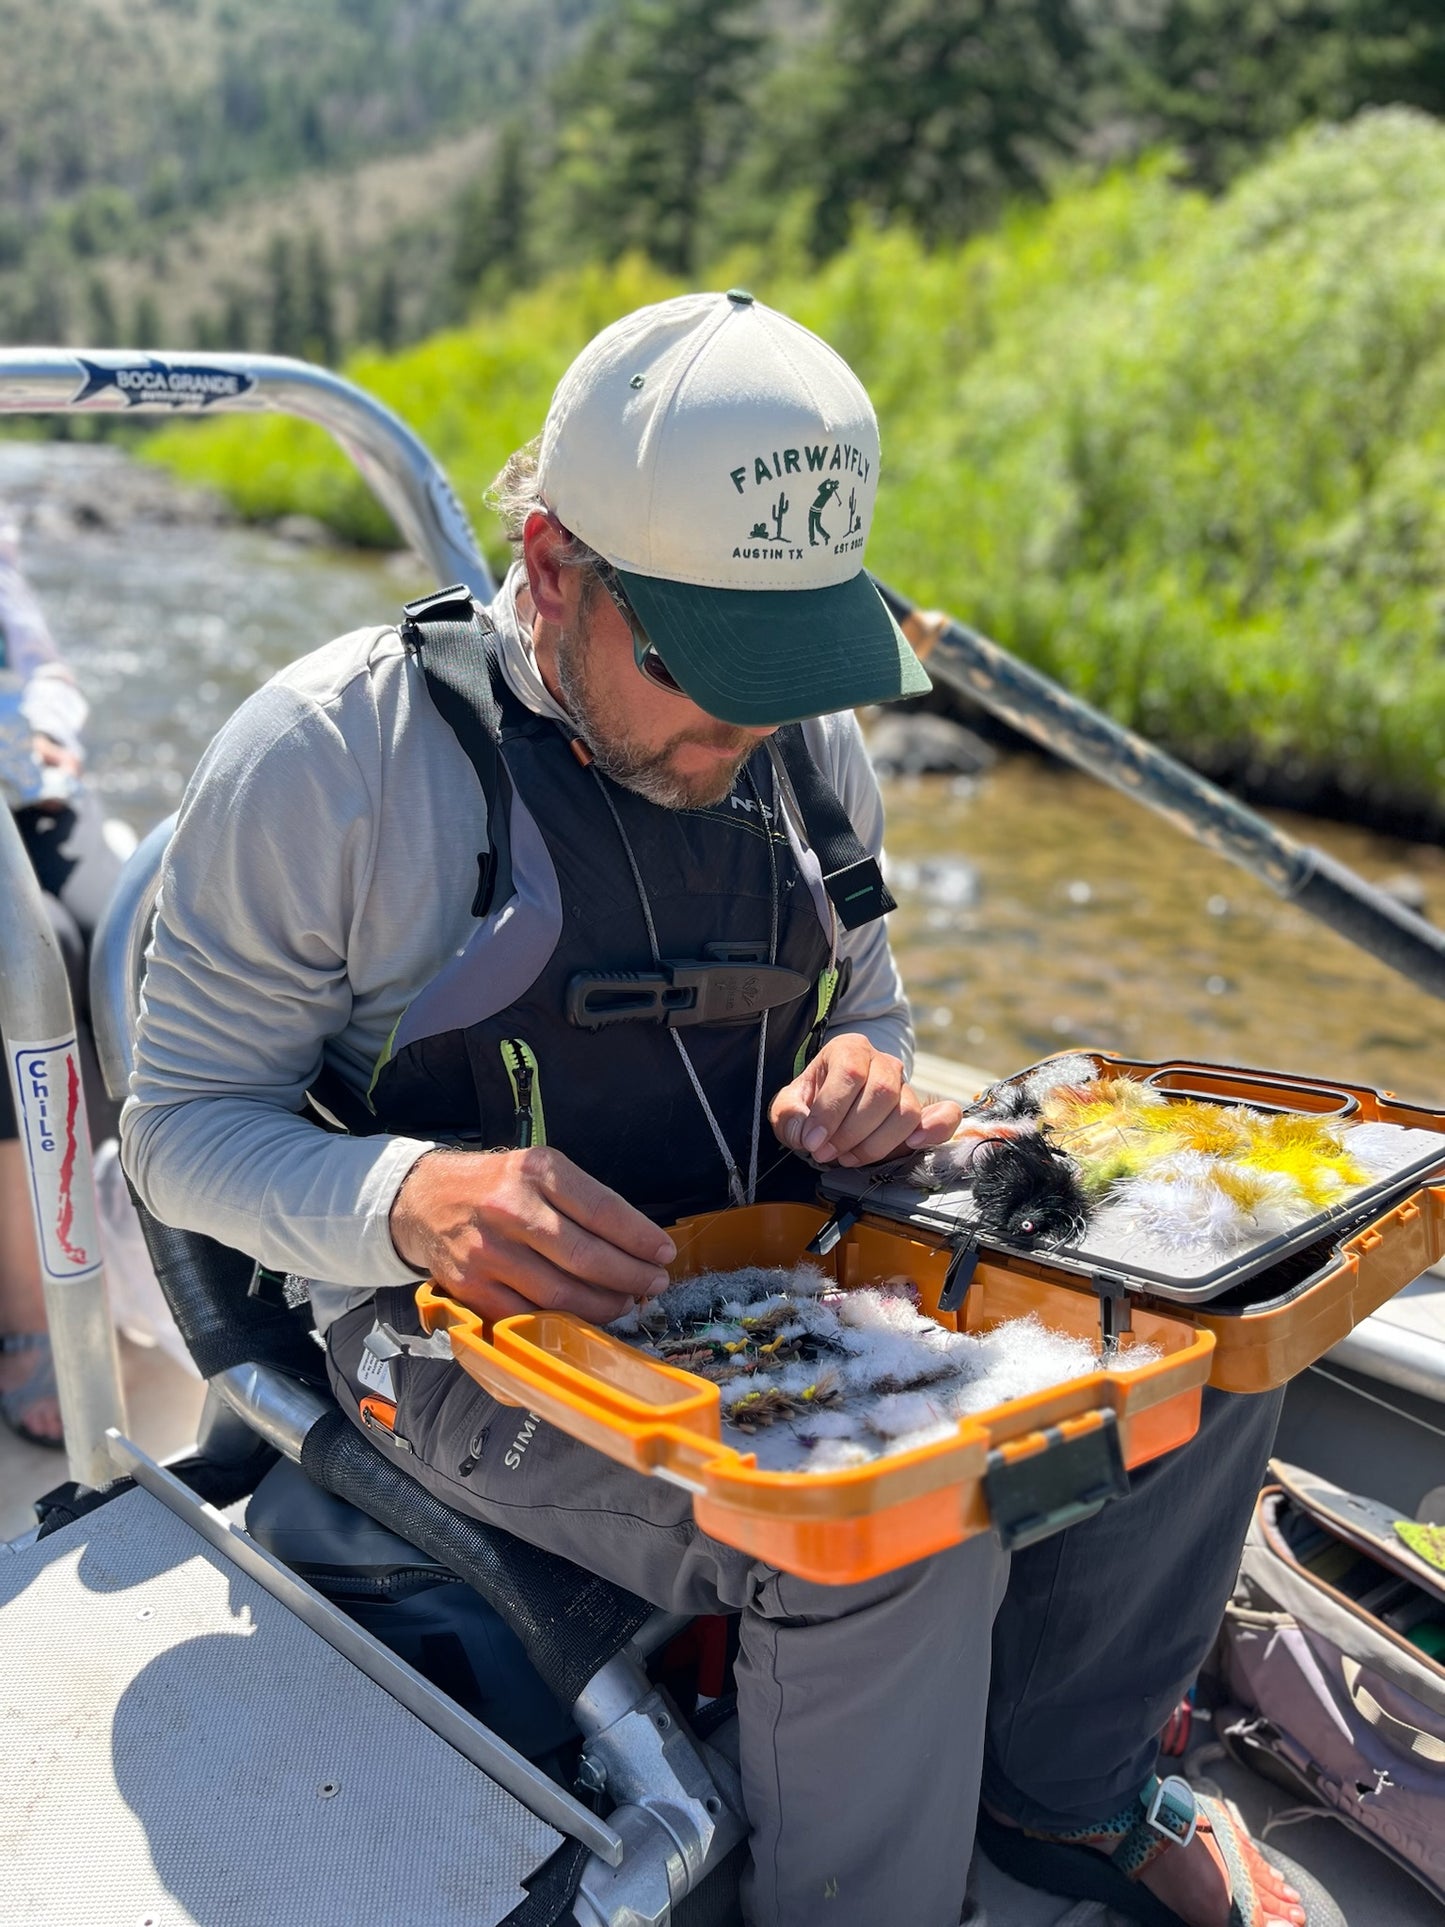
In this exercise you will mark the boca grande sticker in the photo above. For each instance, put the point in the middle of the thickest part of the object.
(51, 1104)
(172, 384)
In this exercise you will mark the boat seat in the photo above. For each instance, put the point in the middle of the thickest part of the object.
(413, 1602)
(263, 1367)
(568, 1621)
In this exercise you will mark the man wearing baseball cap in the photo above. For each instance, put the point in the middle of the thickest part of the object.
(588, 882)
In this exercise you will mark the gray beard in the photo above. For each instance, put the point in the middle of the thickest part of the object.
(644, 772)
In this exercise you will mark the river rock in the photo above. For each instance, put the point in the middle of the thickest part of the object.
(921, 745)
(304, 530)
(1408, 890)
(62, 489)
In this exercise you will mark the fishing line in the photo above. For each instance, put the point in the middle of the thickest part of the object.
(1383, 1403)
(712, 1217)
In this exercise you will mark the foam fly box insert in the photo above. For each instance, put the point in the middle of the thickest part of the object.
(1028, 1465)
(1275, 1211)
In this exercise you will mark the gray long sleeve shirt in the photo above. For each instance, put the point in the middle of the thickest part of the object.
(321, 872)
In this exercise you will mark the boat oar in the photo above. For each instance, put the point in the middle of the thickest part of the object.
(1311, 878)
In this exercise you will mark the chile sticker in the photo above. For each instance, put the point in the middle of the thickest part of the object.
(52, 1112)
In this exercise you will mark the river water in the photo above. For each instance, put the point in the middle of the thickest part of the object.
(1037, 908)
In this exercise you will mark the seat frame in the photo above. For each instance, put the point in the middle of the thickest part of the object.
(675, 1803)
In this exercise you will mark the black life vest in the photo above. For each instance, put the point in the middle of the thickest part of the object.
(551, 1024)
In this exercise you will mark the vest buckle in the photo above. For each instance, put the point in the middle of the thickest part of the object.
(681, 994)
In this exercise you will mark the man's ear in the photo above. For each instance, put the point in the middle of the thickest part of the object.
(543, 541)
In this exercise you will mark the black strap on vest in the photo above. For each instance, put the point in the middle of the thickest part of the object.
(448, 633)
(851, 876)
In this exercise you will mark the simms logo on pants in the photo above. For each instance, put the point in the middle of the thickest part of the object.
(520, 1443)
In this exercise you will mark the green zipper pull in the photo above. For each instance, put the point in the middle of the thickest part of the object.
(520, 1065)
(808, 1049)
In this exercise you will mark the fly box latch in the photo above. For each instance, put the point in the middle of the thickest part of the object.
(1044, 1481)
(1115, 1317)
(832, 1233)
(696, 992)
(959, 1276)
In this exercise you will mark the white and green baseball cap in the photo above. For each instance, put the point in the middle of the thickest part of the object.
(724, 460)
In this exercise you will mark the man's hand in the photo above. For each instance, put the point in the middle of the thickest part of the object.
(515, 1231)
(853, 1105)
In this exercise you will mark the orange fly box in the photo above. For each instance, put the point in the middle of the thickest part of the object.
(1027, 1467)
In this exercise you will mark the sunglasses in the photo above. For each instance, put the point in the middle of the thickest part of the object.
(644, 652)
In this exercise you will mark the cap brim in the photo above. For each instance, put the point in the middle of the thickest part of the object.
(755, 656)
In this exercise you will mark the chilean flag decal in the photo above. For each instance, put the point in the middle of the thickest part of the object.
(51, 1105)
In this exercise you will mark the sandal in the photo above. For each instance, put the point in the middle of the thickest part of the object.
(1071, 1866)
(40, 1384)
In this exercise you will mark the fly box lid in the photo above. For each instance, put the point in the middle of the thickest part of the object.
(1184, 1181)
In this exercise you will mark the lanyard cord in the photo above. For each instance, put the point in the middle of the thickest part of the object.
(789, 807)
(736, 1190)
(767, 823)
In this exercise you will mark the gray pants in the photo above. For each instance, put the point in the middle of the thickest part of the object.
(865, 1711)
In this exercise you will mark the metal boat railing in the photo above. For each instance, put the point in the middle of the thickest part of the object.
(401, 472)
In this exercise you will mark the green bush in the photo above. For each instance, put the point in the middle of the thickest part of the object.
(1187, 456)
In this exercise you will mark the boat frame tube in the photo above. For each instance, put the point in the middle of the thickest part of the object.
(35, 1005)
(37, 1021)
(400, 471)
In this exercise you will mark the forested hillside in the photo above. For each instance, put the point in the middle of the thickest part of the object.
(1150, 293)
(305, 176)
(134, 132)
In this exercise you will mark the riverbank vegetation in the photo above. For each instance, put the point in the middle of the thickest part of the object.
(1186, 453)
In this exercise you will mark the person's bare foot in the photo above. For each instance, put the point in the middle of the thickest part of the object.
(40, 1416)
(1193, 1881)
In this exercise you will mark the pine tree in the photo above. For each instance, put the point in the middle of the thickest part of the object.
(284, 332)
(936, 110)
(653, 116)
(104, 321)
(492, 245)
(146, 329)
(46, 317)
(318, 317)
(235, 332)
(1221, 79)
(379, 321)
